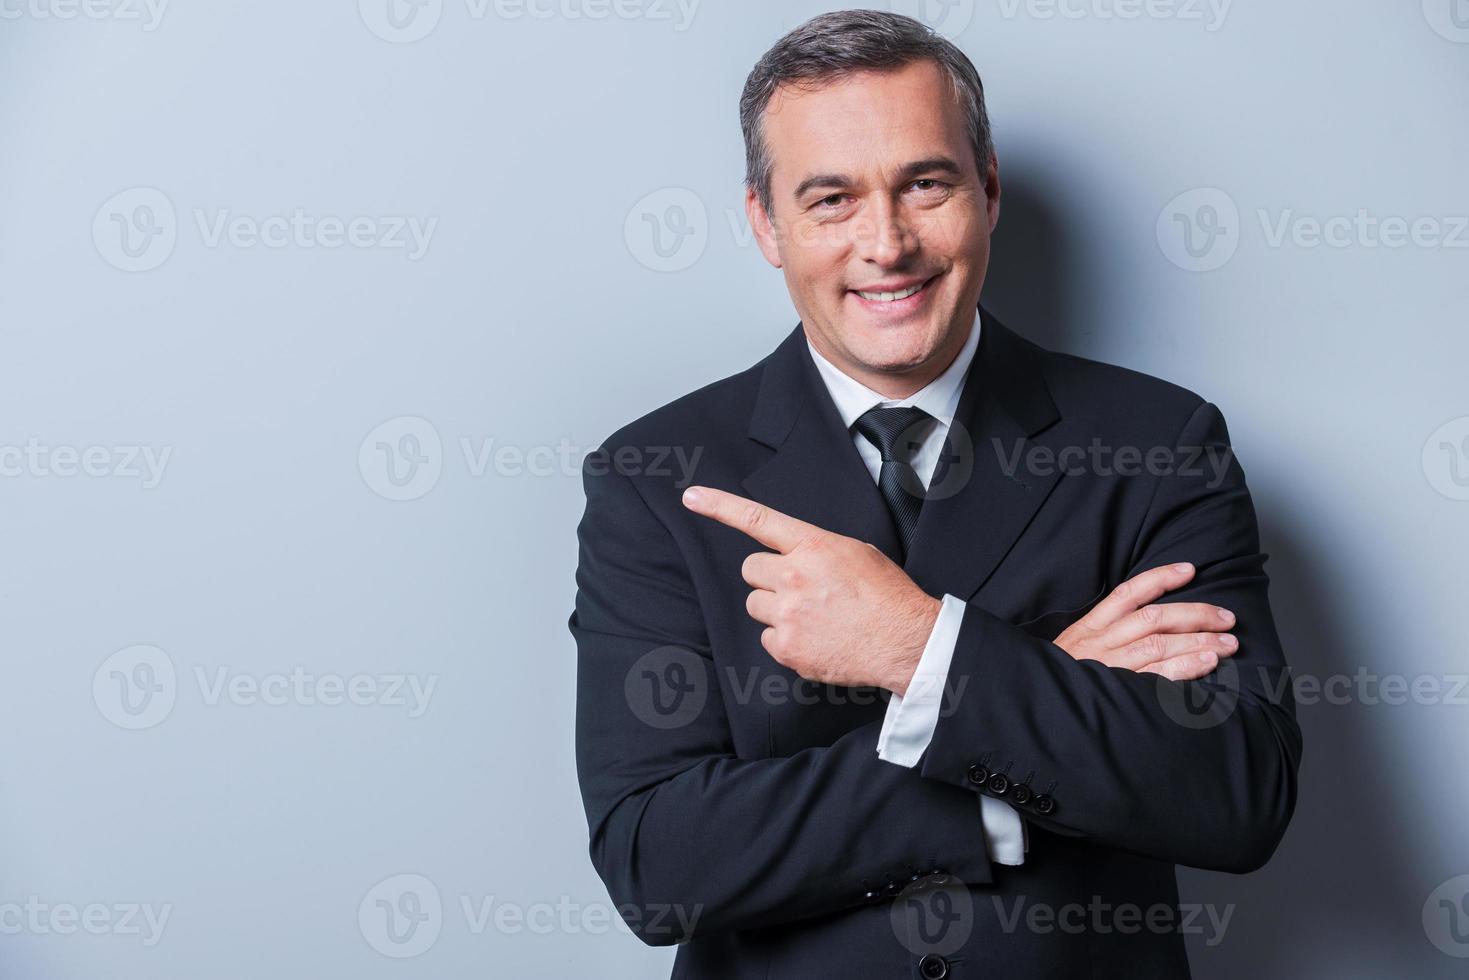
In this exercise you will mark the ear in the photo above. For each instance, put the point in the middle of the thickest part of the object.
(992, 190)
(763, 227)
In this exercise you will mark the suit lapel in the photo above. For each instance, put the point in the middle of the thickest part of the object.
(982, 496)
(974, 511)
(815, 474)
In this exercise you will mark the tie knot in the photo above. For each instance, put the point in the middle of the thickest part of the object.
(894, 431)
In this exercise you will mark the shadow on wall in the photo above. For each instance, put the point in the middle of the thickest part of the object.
(1343, 895)
(1036, 280)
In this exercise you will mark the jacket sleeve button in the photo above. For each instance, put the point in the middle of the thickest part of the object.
(933, 967)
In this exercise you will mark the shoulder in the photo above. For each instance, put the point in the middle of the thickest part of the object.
(1111, 398)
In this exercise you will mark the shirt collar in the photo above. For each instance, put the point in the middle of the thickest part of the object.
(939, 398)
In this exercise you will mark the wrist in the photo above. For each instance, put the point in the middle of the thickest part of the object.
(906, 662)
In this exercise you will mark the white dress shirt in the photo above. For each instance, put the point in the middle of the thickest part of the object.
(908, 726)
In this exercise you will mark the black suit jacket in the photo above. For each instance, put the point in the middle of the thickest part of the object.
(743, 812)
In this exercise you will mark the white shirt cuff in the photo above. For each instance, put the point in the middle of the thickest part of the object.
(908, 726)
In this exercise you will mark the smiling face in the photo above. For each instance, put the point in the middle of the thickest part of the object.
(880, 221)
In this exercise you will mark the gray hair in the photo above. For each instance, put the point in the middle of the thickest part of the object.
(834, 45)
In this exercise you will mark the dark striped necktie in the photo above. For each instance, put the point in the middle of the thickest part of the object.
(897, 433)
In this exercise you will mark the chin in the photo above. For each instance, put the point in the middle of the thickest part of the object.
(899, 347)
(892, 357)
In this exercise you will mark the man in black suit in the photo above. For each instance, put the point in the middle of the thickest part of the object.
(890, 690)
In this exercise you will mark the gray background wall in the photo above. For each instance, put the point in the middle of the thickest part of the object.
(217, 597)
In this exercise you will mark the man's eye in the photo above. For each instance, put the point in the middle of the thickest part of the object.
(927, 184)
(831, 200)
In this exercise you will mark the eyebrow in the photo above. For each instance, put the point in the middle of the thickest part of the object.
(909, 171)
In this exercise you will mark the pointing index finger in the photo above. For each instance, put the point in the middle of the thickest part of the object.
(765, 524)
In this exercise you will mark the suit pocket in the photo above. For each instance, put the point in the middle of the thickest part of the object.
(1049, 625)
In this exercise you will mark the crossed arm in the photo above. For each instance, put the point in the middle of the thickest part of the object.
(680, 824)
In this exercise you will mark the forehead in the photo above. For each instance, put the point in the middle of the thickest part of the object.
(863, 122)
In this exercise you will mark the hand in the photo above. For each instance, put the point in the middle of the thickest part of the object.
(1182, 641)
(838, 610)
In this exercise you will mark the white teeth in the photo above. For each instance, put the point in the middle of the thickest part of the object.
(889, 297)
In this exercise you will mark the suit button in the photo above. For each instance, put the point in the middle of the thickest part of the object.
(933, 967)
(978, 775)
(892, 889)
(1044, 805)
(1020, 794)
(924, 880)
(872, 897)
(999, 784)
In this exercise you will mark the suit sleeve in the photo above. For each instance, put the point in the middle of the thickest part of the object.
(689, 837)
(1199, 773)
(908, 726)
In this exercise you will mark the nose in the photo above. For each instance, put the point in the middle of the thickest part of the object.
(886, 238)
